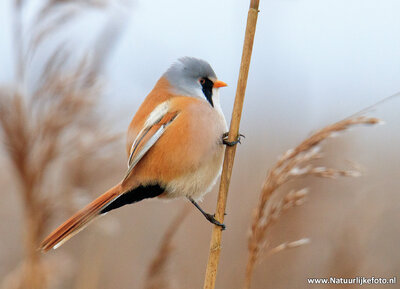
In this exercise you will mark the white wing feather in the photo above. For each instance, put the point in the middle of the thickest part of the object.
(133, 161)
(155, 116)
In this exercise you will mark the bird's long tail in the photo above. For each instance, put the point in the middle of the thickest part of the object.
(80, 220)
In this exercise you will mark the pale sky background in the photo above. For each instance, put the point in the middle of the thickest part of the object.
(312, 59)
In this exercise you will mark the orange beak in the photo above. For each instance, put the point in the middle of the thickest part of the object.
(219, 83)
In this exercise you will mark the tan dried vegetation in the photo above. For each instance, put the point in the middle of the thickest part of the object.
(294, 164)
(157, 275)
(49, 124)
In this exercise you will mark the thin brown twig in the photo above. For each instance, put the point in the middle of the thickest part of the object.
(156, 274)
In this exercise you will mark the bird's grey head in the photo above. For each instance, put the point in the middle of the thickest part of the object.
(194, 77)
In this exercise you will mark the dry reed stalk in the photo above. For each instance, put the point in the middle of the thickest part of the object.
(295, 163)
(215, 243)
(156, 274)
(42, 123)
(89, 273)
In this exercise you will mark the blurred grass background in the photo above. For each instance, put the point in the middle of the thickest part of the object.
(313, 63)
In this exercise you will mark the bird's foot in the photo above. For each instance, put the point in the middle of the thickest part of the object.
(211, 219)
(231, 143)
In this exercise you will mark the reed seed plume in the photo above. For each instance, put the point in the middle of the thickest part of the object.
(48, 118)
(289, 245)
(295, 163)
(156, 274)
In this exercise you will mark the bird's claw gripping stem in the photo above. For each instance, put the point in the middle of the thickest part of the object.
(231, 143)
(211, 219)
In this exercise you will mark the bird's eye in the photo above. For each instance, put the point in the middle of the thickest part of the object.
(202, 81)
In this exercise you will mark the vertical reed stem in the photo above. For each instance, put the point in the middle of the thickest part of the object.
(215, 244)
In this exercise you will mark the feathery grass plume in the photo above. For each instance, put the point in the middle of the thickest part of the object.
(289, 245)
(156, 274)
(43, 123)
(295, 163)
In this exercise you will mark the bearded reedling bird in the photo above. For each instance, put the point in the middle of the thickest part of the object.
(175, 146)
